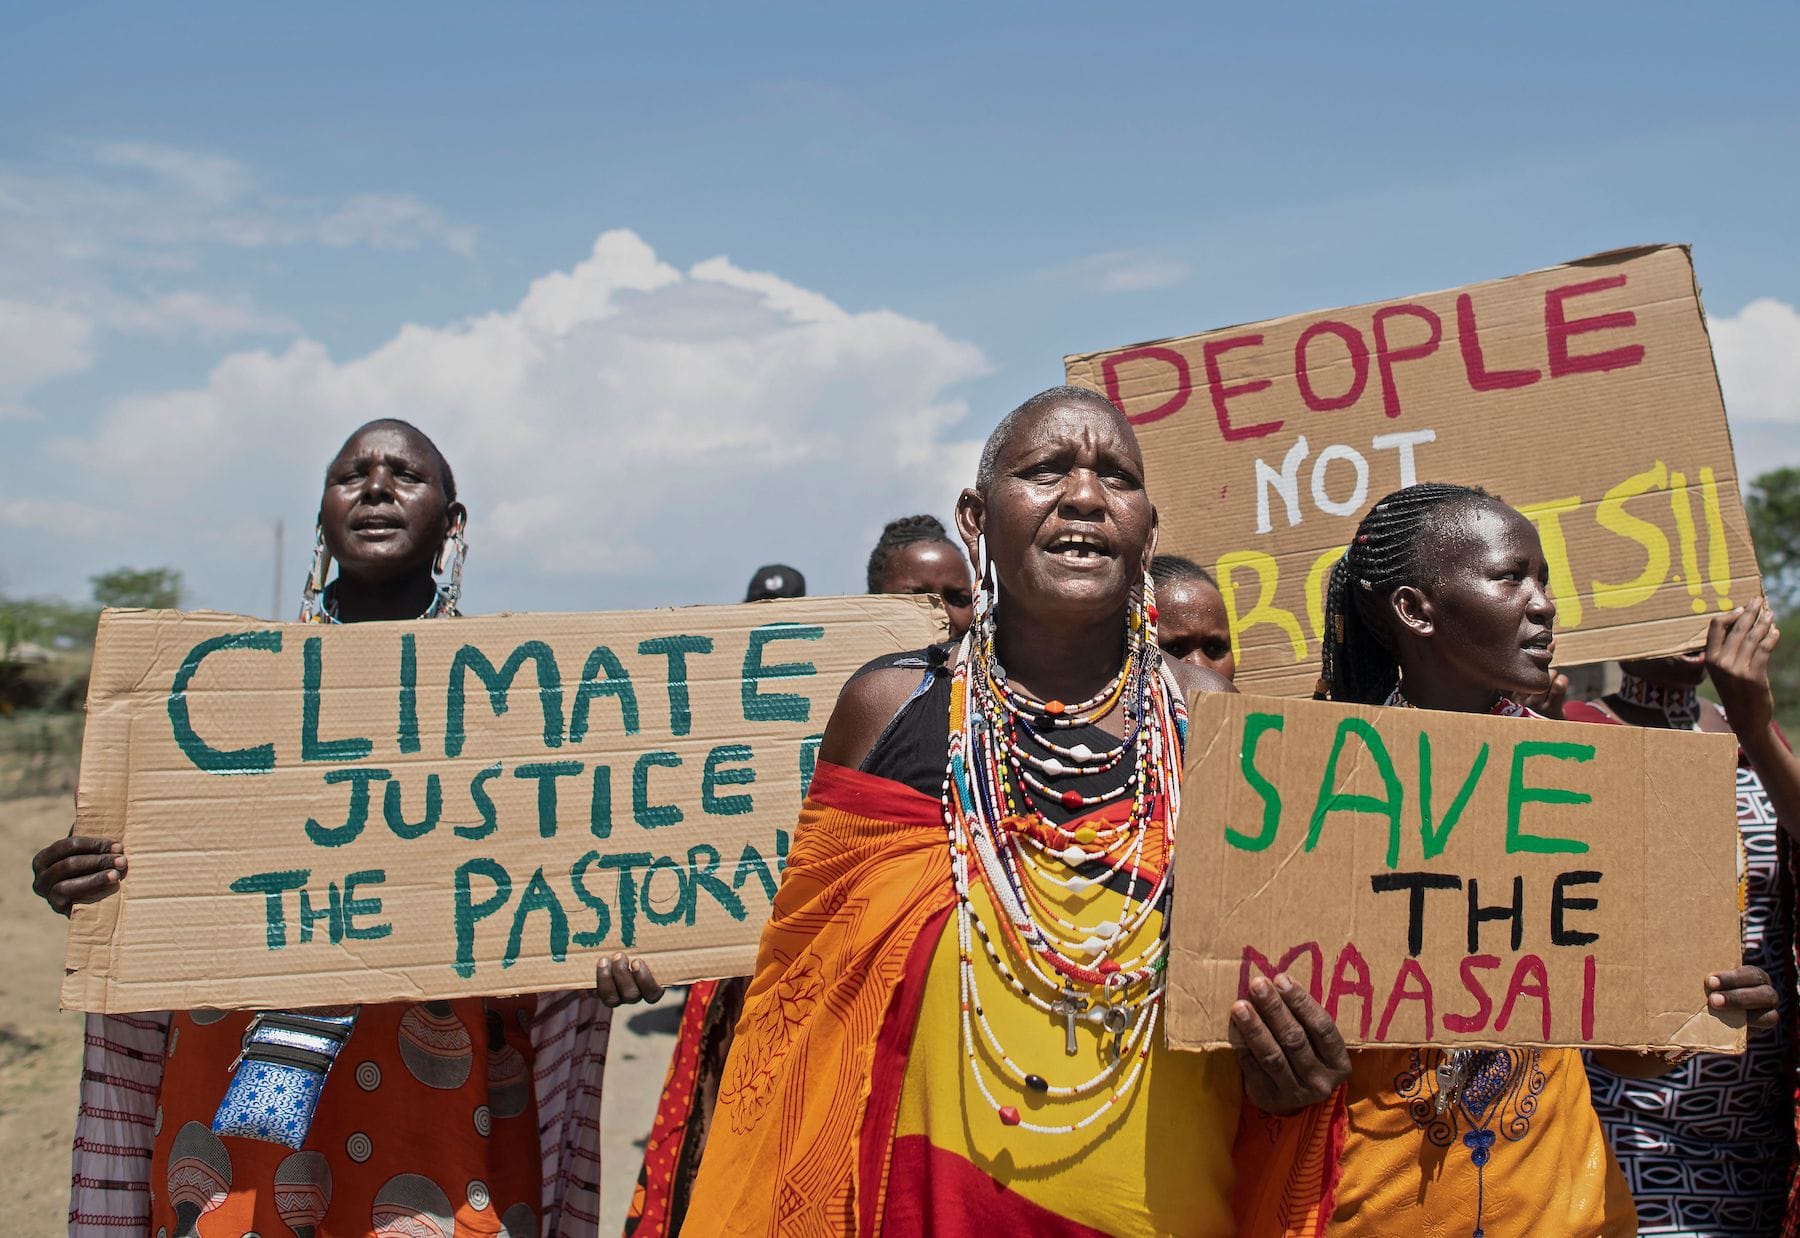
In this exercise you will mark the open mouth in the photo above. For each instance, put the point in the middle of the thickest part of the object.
(1080, 547)
(1541, 647)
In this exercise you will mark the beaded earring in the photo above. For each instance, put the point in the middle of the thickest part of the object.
(1142, 620)
(455, 549)
(311, 597)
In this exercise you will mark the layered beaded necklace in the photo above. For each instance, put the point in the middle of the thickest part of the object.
(1001, 756)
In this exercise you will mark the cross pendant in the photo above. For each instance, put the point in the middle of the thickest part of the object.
(1069, 1006)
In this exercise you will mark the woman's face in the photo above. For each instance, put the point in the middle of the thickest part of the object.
(1488, 615)
(1191, 625)
(384, 512)
(933, 567)
(1067, 520)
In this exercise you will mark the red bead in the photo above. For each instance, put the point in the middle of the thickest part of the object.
(1151, 611)
(1108, 967)
(1071, 799)
(1054, 708)
(1009, 1115)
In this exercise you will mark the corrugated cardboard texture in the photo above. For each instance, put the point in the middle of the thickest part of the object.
(1584, 395)
(375, 813)
(1624, 850)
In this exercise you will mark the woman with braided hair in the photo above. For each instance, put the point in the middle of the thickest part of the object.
(1441, 602)
(915, 555)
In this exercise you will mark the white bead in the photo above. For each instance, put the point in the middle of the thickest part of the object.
(1074, 857)
(1107, 929)
(1082, 753)
(1055, 768)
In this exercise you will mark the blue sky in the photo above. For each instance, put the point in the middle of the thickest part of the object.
(227, 234)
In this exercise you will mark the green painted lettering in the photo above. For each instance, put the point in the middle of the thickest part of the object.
(358, 815)
(677, 649)
(272, 886)
(394, 811)
(354, 906)
(312, 748)
(1518, 795)
(1331, 800)
(715, 777)
(649, 815)
(468, 911)
(776, 706)
(498, 683)
(1435, 840)
(538, 896)
(484, 804)
(257, 759)
(546, 773)
(616, 684)
(1257, 725)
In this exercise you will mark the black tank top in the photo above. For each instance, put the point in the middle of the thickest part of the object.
(914, 748)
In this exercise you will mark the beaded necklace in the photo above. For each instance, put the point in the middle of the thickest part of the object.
(1000, 839)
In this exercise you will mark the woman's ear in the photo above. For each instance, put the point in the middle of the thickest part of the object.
(1414, 611)
(971, 521)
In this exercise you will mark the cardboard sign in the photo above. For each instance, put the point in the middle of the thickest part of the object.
(1583, 395)
(406, 811)
(1442, 878)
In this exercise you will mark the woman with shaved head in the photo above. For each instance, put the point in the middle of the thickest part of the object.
(474, 1116)
(954, 1023)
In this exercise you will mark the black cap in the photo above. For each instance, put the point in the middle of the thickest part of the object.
(777, 580)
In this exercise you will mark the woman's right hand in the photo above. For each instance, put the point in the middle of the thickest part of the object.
(77, 869)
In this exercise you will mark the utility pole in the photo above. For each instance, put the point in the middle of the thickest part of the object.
(275, 610)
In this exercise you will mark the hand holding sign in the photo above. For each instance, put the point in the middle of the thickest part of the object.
(1738, 646)
(77, 869)
(1289, 1049)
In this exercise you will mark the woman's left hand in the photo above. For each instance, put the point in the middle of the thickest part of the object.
(1748, 989)
(624, 982)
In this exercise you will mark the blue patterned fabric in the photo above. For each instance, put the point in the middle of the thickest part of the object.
(275, 1100)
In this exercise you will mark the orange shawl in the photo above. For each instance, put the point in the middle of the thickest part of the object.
(801, 1138)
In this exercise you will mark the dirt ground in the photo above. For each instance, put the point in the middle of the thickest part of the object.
(40, 1049)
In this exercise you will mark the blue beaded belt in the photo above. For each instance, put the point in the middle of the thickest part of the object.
(277, 1080)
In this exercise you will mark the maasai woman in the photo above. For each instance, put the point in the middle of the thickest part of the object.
(953, 1027)
(913, 555)
(1191, 623)
(1730, 1173)
(474, 1116)
(1441, 602)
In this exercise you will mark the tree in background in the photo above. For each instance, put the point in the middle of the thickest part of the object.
(1773, 505)
(152, 588)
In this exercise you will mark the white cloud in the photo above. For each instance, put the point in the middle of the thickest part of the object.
(1124, 270)
(1758, 354)
(1144, 275)
(57, 517)
(40, 342)
(197, 313)
(1758, 351)
(625, 435)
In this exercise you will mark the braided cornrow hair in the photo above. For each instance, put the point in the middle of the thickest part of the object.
(1165, 568)
(1358, 663)
(906, 531)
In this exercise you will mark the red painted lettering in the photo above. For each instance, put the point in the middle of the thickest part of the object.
(1359, 365)
(1421, 992)
(1587, 998)
(1342, 986)
(1529, 965)
(1480, 377)
(1183, 385)
(1310, 949)
(1484, 1005)
(1386, 358)
(1212, 350)
(1558, 329)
